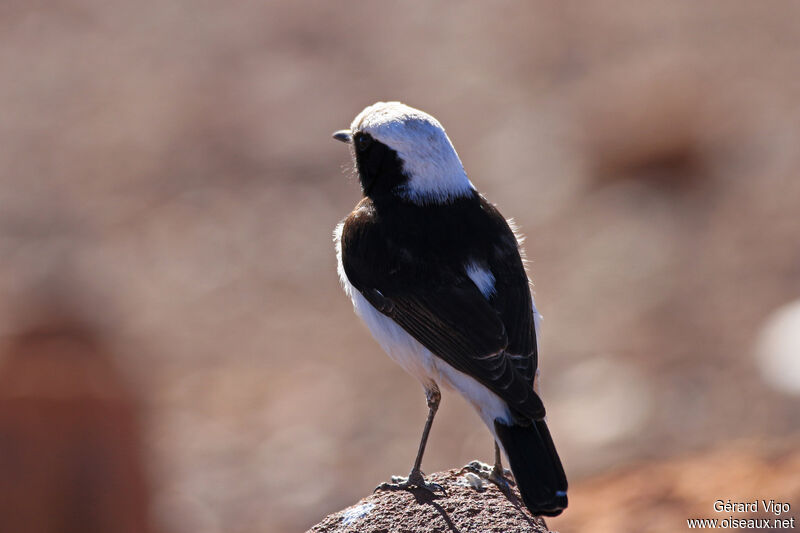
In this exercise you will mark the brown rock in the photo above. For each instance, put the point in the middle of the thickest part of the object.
(70, 452)
(466, 507)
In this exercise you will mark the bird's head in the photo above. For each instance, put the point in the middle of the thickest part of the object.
(404, 152)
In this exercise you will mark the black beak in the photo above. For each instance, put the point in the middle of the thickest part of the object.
(343, 135)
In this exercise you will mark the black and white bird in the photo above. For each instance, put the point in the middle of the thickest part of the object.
(437, 275)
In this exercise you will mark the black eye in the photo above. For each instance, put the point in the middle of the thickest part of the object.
(362, 142)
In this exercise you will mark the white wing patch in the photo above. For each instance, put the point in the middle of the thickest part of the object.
(482, 277)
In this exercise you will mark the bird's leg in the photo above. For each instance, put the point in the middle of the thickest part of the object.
(499, 475)
(416, 478)
(433, 397)
(496, 474)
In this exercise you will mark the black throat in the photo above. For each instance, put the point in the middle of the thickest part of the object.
(380, 169)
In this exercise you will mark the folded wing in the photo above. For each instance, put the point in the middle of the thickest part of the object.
(450, 316)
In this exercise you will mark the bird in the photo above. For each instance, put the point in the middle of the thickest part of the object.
(438, 276)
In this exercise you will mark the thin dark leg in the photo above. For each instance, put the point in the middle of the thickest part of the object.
(498, 474)
(415, 478)
(498, 461)
(434, 397)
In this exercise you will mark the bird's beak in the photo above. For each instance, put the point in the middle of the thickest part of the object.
(343, 135)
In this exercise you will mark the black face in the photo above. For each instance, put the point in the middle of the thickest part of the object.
(379, 168)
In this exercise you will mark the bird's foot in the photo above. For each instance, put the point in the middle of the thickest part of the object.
(414, 480)
(496, 474)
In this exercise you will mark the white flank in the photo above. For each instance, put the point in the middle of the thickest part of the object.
(436, 174)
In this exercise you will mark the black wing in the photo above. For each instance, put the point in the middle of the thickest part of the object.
(512, 300)
(490, 340)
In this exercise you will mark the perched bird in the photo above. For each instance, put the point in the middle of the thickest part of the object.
(436, 273)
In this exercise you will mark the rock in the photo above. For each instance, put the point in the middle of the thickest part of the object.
(470, 504)
(70, 439)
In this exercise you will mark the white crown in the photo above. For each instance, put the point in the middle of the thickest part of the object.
(435, 173)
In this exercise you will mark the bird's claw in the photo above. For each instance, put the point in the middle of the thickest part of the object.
(414, 480)
(503, 480)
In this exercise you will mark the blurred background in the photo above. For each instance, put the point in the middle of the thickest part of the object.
(177, 354)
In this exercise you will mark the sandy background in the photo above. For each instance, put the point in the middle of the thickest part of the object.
(167, 175)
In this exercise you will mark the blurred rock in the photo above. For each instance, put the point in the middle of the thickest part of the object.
(70, 441)
(463, 509)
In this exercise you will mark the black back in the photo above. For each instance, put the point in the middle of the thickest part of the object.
(408, 260)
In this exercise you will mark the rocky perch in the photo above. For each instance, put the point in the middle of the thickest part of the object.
(471, 504)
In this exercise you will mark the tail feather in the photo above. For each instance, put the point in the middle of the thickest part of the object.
(536, 466)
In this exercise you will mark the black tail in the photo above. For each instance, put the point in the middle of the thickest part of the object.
(536, 466)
